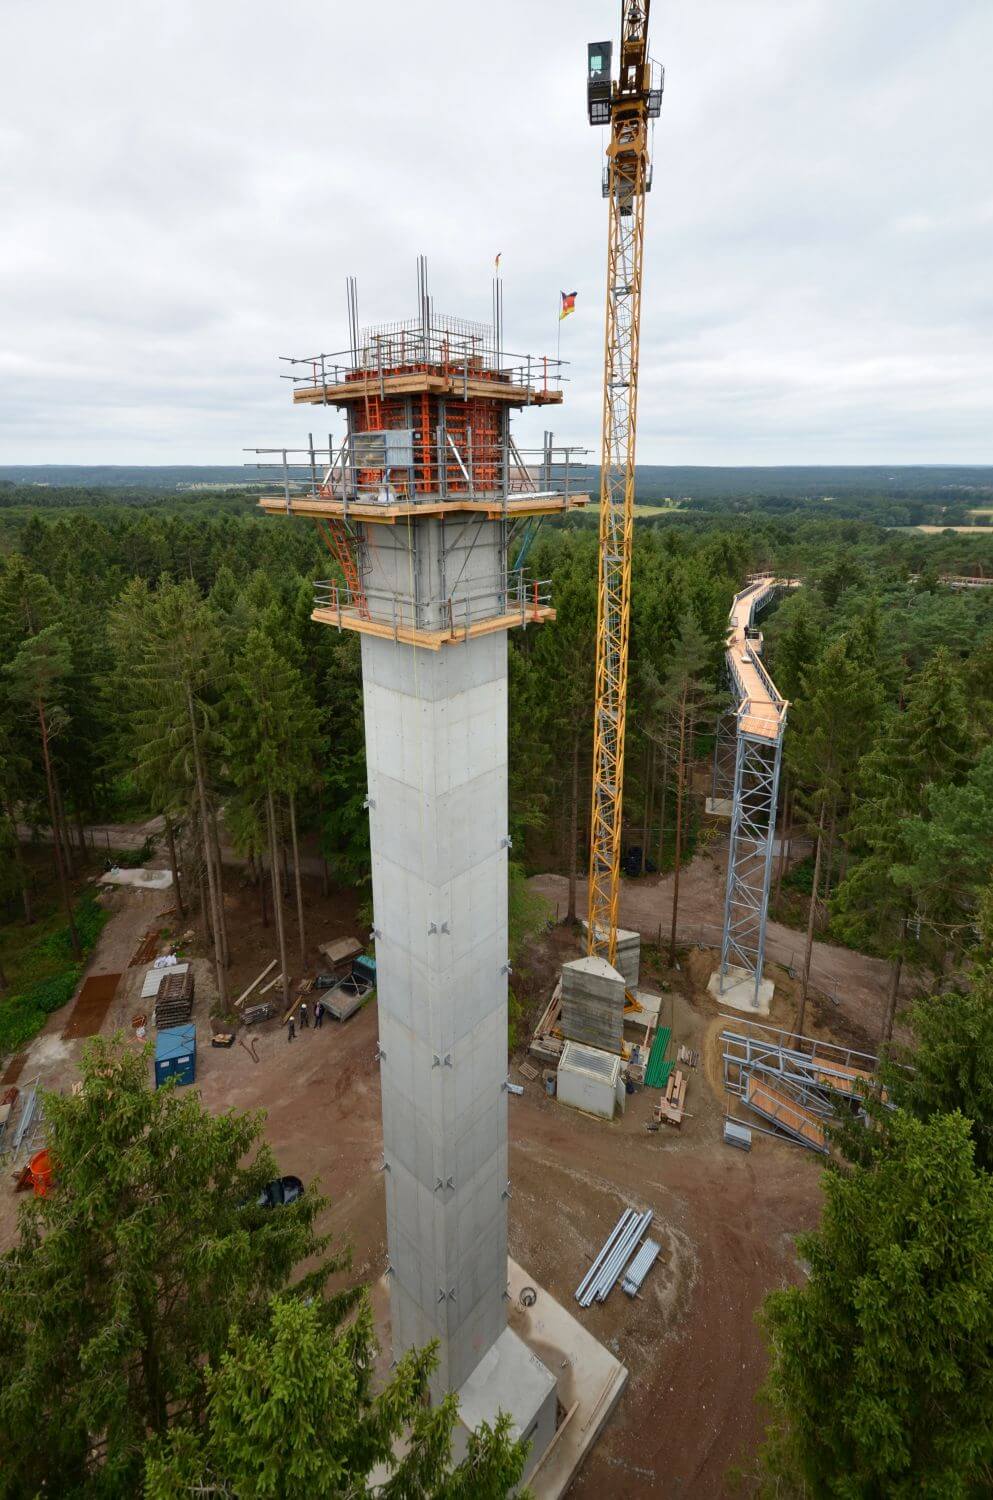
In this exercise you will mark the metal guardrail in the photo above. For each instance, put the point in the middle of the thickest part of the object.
(519, 593)
(396, 467)
(461, 350)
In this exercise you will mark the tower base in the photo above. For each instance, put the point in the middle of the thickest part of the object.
(739, 991)
(509, 1378)
(570, 1377)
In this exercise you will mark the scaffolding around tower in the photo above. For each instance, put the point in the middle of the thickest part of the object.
(427, 447)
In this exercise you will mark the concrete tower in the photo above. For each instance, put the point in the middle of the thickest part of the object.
(429, 507)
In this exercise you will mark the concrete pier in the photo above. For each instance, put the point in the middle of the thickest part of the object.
(436, 745)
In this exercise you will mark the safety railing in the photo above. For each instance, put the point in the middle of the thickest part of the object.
(405, 465)
(510, 593)
(406, 350)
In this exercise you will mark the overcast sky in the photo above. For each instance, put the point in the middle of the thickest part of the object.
(187, 183)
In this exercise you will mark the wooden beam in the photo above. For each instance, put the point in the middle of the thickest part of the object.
(245, 993)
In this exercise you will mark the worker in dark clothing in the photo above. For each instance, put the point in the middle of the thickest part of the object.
(304, 1017)
(291, 1029)
(318, 1015)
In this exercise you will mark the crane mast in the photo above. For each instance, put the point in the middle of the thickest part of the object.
(627, 105)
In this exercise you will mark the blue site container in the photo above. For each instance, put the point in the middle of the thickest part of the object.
(365, 968)
(176, 1055)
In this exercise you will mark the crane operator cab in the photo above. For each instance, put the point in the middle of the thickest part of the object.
(599, 56)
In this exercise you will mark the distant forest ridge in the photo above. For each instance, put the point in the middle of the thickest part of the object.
(656, 482)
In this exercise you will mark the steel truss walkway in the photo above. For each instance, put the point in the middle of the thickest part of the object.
(759, 721)
(794, 1082)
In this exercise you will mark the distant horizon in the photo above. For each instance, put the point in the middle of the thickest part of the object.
(6, 470)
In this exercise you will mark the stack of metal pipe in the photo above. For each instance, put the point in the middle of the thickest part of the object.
(614, 1256)
(639, 1268)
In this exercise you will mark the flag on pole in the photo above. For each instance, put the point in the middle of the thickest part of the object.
(496, 263)
(568, 304)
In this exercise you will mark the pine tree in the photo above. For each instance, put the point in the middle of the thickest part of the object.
(37, 677)
(169, 666)
(831, 728)
(291, 1411)
(273, 742)
(881, 1363)
(133, 1273)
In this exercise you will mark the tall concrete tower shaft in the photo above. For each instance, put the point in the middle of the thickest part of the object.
(424, 504)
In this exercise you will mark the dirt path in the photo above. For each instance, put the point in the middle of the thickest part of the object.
(856, 984)
(133, 836)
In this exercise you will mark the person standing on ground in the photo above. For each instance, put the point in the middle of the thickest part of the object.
(291, 1029)
(304, 1017)
(318, 1015)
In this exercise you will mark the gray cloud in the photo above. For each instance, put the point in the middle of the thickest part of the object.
(187, 185)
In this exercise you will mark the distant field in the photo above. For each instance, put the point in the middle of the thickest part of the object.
(935, 530)
(640, 510)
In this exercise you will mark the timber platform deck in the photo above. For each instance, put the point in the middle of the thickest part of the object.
(424, 382)
(786, 1114)
(523, 506)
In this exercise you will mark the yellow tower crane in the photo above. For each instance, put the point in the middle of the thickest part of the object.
(626, 105)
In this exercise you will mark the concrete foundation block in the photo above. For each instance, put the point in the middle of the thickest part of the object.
(593, 1003)
(739, 991)
(509, 1378)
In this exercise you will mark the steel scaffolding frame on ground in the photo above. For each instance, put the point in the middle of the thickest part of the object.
(820, 1067)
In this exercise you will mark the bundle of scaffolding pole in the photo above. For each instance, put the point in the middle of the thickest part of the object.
(619, 1247)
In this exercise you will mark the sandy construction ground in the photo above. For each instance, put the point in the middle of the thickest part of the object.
(726, 1220)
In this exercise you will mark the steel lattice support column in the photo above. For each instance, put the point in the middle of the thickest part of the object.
(753, 829)
(725, 755)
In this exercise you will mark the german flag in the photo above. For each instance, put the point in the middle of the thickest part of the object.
(568, 304)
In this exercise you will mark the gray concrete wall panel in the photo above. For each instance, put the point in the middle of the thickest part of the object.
(436, 734)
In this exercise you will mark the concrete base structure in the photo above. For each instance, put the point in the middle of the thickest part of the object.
(719, 807)
(589, 1382)
(509, 1378)
(627, 959)
(593, 1003)
(436, 748)
(585, 1378)
(739, 991)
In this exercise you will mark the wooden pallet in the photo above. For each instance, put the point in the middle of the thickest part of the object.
(673, 1107)
(527, 1071)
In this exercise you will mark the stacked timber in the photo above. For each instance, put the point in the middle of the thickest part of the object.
(174, 1003)
(593, 1003)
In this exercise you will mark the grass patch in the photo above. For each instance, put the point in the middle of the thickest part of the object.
(41, 969)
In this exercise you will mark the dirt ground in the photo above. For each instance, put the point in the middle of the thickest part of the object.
(726, 1220)
(850, 987)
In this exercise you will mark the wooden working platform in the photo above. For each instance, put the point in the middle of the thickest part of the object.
(424, 382)
(514, 508)
(432, 640)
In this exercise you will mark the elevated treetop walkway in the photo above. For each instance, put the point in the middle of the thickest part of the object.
(760, 719)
